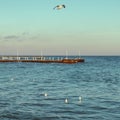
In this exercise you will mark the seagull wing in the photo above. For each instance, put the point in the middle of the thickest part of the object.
(56, 7)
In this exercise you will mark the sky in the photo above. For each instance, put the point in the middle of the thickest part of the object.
(86, 27)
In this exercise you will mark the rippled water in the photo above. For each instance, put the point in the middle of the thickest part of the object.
(97, 81)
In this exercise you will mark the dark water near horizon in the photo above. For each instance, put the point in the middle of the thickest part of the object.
(97, 81)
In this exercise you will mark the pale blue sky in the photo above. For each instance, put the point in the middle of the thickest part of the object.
(31, 26)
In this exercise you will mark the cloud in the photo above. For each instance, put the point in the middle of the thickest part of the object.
(20, 37)
(27, 37)
(11, 37)
(25, 33)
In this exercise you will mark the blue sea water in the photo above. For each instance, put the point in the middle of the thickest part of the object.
(97, 82)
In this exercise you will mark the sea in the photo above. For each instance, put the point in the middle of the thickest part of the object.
(57, 91)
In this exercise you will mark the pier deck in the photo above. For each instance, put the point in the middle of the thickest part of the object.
(40, 59)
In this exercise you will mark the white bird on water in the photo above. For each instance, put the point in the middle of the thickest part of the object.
(80, 99)
(45, 94)
(58, 7)
(66, 100)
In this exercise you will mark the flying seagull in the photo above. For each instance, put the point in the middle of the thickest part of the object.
(58, 7)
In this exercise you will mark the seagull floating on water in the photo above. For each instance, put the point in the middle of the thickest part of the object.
(66, 100)
(58, 7)
(80, 99)
(45, 94)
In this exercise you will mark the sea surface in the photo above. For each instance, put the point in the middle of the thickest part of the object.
(56, 91)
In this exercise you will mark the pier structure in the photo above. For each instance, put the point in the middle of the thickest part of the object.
(40, 59)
